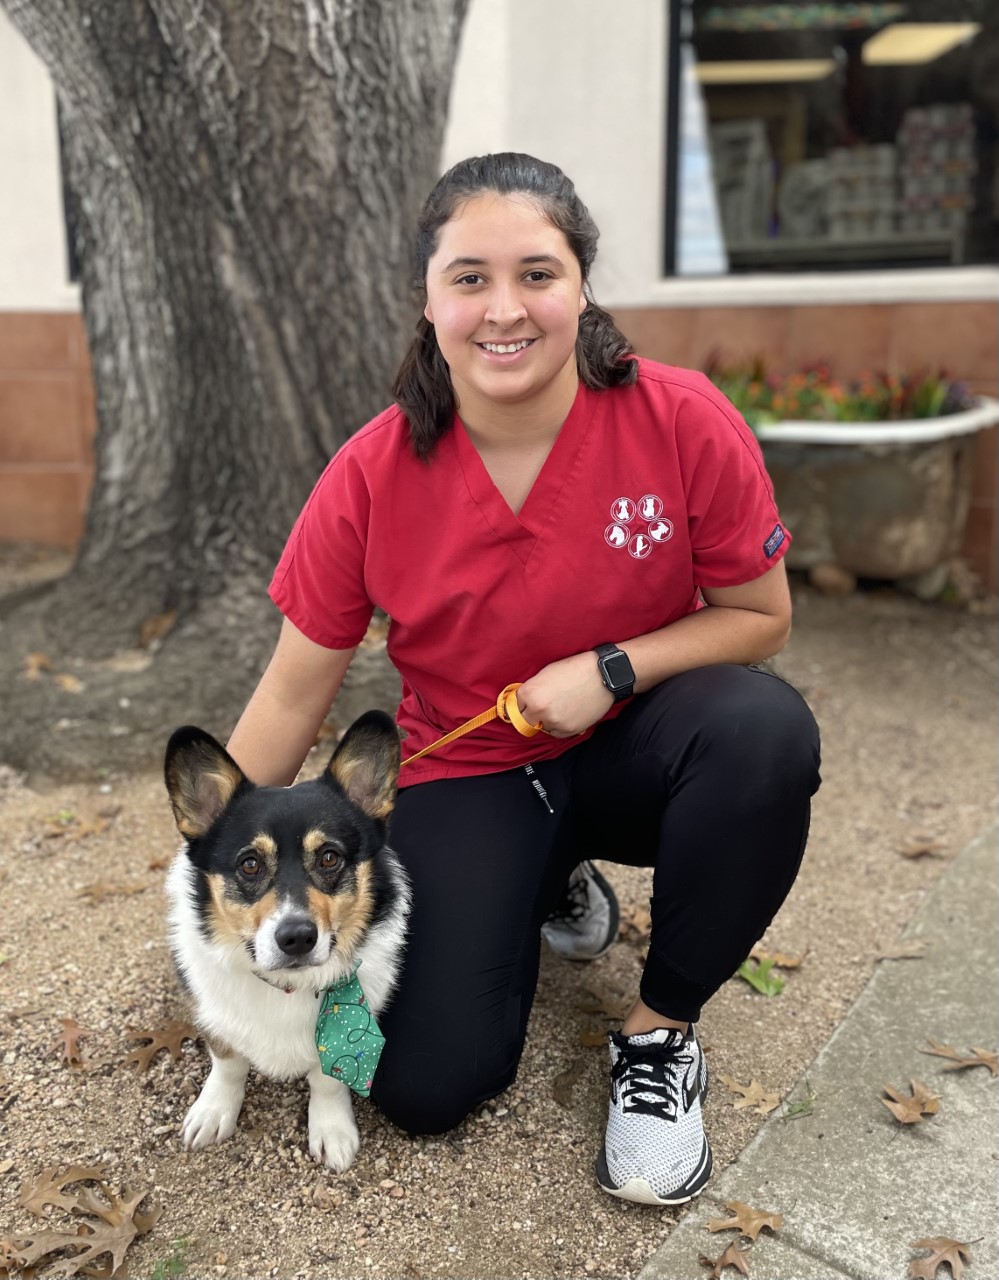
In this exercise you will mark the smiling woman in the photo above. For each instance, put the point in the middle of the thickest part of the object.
(542, 510)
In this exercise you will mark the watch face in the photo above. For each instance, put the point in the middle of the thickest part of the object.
(618, 670)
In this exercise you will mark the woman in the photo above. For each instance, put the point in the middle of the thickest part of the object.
(540, 506)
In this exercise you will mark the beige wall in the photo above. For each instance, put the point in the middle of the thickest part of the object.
(32, 231)
(582, 84)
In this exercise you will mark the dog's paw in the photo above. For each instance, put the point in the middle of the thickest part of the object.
(333, 1139)
(210, 1121)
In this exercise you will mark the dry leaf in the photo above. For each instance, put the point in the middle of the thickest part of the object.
(922, 847)
(69, 1042)
(156, 627)
(636, 926)
(69, 684)
(565, 1082)
(749, 1222)
(903, 951)
(170, 1036)
(160, 864)
(607, 1005)
(779, 959)
(76, 828)
(732, 1257)
(94, 893)
(47, 1187)
(945, 1250)
(977, 1058)
(118, 1223)
(911, 1110)
(35, 664)
(593, 1039)
(753, 1095)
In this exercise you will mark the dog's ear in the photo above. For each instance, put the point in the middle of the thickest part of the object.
(201, 779)
(366, 763)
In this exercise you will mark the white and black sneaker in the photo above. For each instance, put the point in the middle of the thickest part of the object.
(655, 1150)
(587, 918)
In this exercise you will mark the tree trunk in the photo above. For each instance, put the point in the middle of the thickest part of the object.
(245, 177)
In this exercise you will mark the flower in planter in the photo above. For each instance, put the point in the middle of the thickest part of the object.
(812, 394)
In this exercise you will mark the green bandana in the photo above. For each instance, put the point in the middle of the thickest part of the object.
(347, 1036)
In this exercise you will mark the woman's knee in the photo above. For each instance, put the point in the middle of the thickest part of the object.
(424, 1104)
(763, 726)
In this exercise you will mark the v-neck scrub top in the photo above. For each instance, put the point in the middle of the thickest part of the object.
(649, 493)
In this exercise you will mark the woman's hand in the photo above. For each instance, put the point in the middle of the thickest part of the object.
(566, 697)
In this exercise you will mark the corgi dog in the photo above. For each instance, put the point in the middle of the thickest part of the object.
(277, 895)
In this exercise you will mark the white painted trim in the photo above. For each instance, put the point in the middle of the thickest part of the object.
(984, 414)
(818, 288)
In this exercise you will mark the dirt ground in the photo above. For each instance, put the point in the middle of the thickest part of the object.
(906, 698)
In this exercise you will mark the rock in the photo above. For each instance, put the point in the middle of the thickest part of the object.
(831, 580)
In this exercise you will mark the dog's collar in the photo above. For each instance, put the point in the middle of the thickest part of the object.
(340, 985)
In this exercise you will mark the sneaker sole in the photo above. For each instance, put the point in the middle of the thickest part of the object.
(639, 1191)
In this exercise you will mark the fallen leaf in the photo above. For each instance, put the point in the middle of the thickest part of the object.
(69, 1042)
(944, 1250)
(80, 828)
(912, 1109)
(748, 1221)
(732, 1257)
(903, 951)
(606, 1004)
(753, 1095)
(565, 1082)
(156, 627)
(160, 864)
(977, 1058)
(636, 926)
(69, 684)
(779, 959)
(94, 893)
(48, 1186)
(35, 664)
(118, 1222)
(593, 1039)
(922, 847)
(170, 1036)
(760, 978)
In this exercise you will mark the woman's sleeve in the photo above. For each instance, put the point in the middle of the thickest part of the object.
(735, 530)
(319, 581)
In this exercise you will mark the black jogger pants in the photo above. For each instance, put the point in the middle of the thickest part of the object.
(707, 778)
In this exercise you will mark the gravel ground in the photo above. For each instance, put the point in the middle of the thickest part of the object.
(905, 695)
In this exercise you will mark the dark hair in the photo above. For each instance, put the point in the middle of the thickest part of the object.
(423, 386)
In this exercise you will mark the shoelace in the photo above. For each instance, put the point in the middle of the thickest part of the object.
(575, 901)
(644, 1069)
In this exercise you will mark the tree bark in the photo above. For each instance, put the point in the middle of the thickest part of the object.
(245, 176)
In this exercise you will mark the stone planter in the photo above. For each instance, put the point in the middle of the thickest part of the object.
(877, 499)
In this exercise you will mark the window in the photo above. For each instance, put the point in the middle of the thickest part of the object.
(830, 136)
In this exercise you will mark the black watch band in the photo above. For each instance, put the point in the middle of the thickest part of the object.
(616, 671)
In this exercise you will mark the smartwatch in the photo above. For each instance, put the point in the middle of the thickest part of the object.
(616, 671)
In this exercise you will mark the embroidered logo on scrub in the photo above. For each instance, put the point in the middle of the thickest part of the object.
(655, 527)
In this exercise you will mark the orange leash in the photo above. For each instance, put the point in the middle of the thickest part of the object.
(506, 709)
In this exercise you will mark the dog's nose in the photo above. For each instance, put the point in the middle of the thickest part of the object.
(296, 936)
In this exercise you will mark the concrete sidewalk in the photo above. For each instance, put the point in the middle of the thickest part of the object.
(855, 1187)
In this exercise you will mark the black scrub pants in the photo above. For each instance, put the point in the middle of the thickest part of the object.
(707, 778)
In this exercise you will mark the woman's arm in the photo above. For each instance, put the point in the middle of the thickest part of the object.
(282, 718)
(740, 624)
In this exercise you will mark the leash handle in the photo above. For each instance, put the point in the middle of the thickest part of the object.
(506, 709)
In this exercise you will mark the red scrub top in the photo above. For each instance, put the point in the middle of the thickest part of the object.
(649, 493)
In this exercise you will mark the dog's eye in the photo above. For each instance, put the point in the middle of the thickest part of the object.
(328, 857)
(251, 866)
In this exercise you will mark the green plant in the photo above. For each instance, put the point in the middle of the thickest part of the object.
(175, 1265)
(812, 394)
(759, 977)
